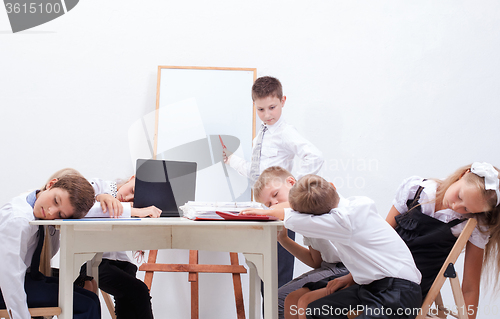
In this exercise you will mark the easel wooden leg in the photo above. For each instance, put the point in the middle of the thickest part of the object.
(193, 279)
(193, 269)
(238, 292)
(148, 277)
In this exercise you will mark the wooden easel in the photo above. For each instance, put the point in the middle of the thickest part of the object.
(193, 268)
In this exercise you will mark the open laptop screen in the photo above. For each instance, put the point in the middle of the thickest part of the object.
(164, 184)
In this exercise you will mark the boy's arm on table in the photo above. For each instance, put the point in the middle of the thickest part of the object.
(150, 211)
(13, 269)
(277, 210)
(311, 158)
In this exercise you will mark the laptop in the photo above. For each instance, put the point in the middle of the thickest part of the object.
(164, 184)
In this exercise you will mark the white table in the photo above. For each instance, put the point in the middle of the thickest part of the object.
(83, 240)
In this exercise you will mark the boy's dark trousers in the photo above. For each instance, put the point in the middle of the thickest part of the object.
(44, 292)
(285, 262)
(386, 298)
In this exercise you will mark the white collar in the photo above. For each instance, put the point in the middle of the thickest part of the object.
(275, 126)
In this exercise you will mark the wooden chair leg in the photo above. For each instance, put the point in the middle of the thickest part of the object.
(109, 304)
(238, 292)
(440, 306)
(36, 312)
(193, 279)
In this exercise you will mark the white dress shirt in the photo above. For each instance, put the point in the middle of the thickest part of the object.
(281, 143)
(18, 242)
(325, 247)
(367, 245)
(408, 189)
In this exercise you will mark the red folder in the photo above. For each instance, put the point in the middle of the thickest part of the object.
(237, 216)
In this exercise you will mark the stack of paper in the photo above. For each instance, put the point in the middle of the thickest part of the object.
(207, 210)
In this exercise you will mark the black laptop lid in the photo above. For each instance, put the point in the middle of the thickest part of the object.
(164, 184)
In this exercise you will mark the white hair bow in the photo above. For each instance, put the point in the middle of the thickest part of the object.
(490, 175)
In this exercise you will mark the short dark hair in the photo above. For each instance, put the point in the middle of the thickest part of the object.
(81, 193)
(313, 195)
(267, 86)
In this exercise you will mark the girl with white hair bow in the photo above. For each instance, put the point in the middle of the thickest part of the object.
(436, 210)
(429, 215)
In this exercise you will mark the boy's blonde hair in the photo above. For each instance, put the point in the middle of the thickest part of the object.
(267, 86)
(273, 174)
(313, 195)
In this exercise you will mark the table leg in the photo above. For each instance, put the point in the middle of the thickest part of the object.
(66, 274)
(252, 260)
(270, 278)
(266, 266)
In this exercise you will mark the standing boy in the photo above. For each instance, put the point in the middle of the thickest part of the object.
(21, 283)
(277, 144)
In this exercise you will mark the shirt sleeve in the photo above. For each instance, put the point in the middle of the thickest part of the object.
(96, 211)
(406, 191)
(311, 158)
(240, 165)
(101, 187)
(334, 226)
(15, 236)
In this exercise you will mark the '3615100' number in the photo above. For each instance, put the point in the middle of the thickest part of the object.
(15, 7)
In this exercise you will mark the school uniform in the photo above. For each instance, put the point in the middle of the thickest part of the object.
(21, 284)
(117, 273)
(282, 143)
(379, 261)
(331, 267)
(430, 235)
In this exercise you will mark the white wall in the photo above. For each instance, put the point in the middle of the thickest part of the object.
(386, 89)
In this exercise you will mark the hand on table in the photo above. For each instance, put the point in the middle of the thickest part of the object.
(111, 205)
(151, 211)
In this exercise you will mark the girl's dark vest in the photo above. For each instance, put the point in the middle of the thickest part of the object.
(429, 240)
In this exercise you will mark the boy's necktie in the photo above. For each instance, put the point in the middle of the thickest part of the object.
(35, 261)
(254, 168)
